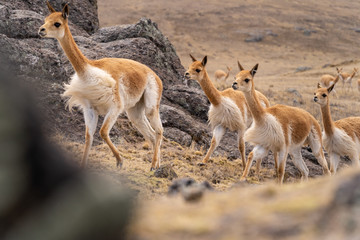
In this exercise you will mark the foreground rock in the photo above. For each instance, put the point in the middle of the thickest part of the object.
(41, 187)
(319, 209)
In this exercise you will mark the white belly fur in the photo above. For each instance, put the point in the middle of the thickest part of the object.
(226, 114)
(95, 89)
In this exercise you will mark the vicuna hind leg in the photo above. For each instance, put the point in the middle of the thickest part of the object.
(299, 163)
(314, 141)
(281, 165)
(108, 123)
(91, 119)
(155, 122)
(137, 117)
(218, 133)
(242, 147)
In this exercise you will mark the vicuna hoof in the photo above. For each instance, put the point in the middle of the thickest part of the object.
(119, 164)
(201, 164)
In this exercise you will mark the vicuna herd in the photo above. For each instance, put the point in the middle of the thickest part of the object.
(111, 86)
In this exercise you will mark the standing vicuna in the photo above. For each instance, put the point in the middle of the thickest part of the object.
(340, 138)
(347, 78)
(220, 75)
(228, 109)
(327, 80)
(108, 87)
(281, 129)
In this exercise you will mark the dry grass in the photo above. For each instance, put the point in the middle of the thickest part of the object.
(220, 172)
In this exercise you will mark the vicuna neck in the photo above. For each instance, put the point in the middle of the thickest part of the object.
(353, 74)
(255, 107)
(72, 51)
(211, 92)
(327, 121)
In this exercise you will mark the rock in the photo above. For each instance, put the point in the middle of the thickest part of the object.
(40, 185)
(177, 184)
(192, 100)
(343, 211)
(175, 118)
(189, 189)
(217, 177)
(302, 69)
(308, 32)
(83, 13)
(271, 33)
(255, 38)
(165, 171)
(178, 136)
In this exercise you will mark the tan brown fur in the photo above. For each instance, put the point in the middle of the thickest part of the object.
(220, 75)
(219, 100)
(327, 80)
(341, 137)
(346, 78)
(270, 130)
(108, 87)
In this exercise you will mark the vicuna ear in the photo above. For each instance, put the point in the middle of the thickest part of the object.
(254, 70)
(318, 86)
(240, 67)
(65, 11)
(204, 61)
(331, 88)
(193, 59)
(51, 9)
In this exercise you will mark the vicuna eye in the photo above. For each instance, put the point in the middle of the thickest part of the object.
(197, 70)
(247, 80)
(57, 24)
(324, 95)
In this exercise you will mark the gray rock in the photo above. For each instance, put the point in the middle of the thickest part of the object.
(42, 187)
(302, 69)
(189, 189)
(255, 38)
(165, 171)
(178, 136)
(83, 13)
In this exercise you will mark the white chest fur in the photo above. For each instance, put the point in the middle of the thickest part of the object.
(269, 134)
(226, 114)
(339, 143)
(94, 88)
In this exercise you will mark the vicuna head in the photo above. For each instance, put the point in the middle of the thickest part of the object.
(244, 79)
(196, 70)
(321, 95)
(55, 23)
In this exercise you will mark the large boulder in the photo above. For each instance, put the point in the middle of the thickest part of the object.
(83, 12)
